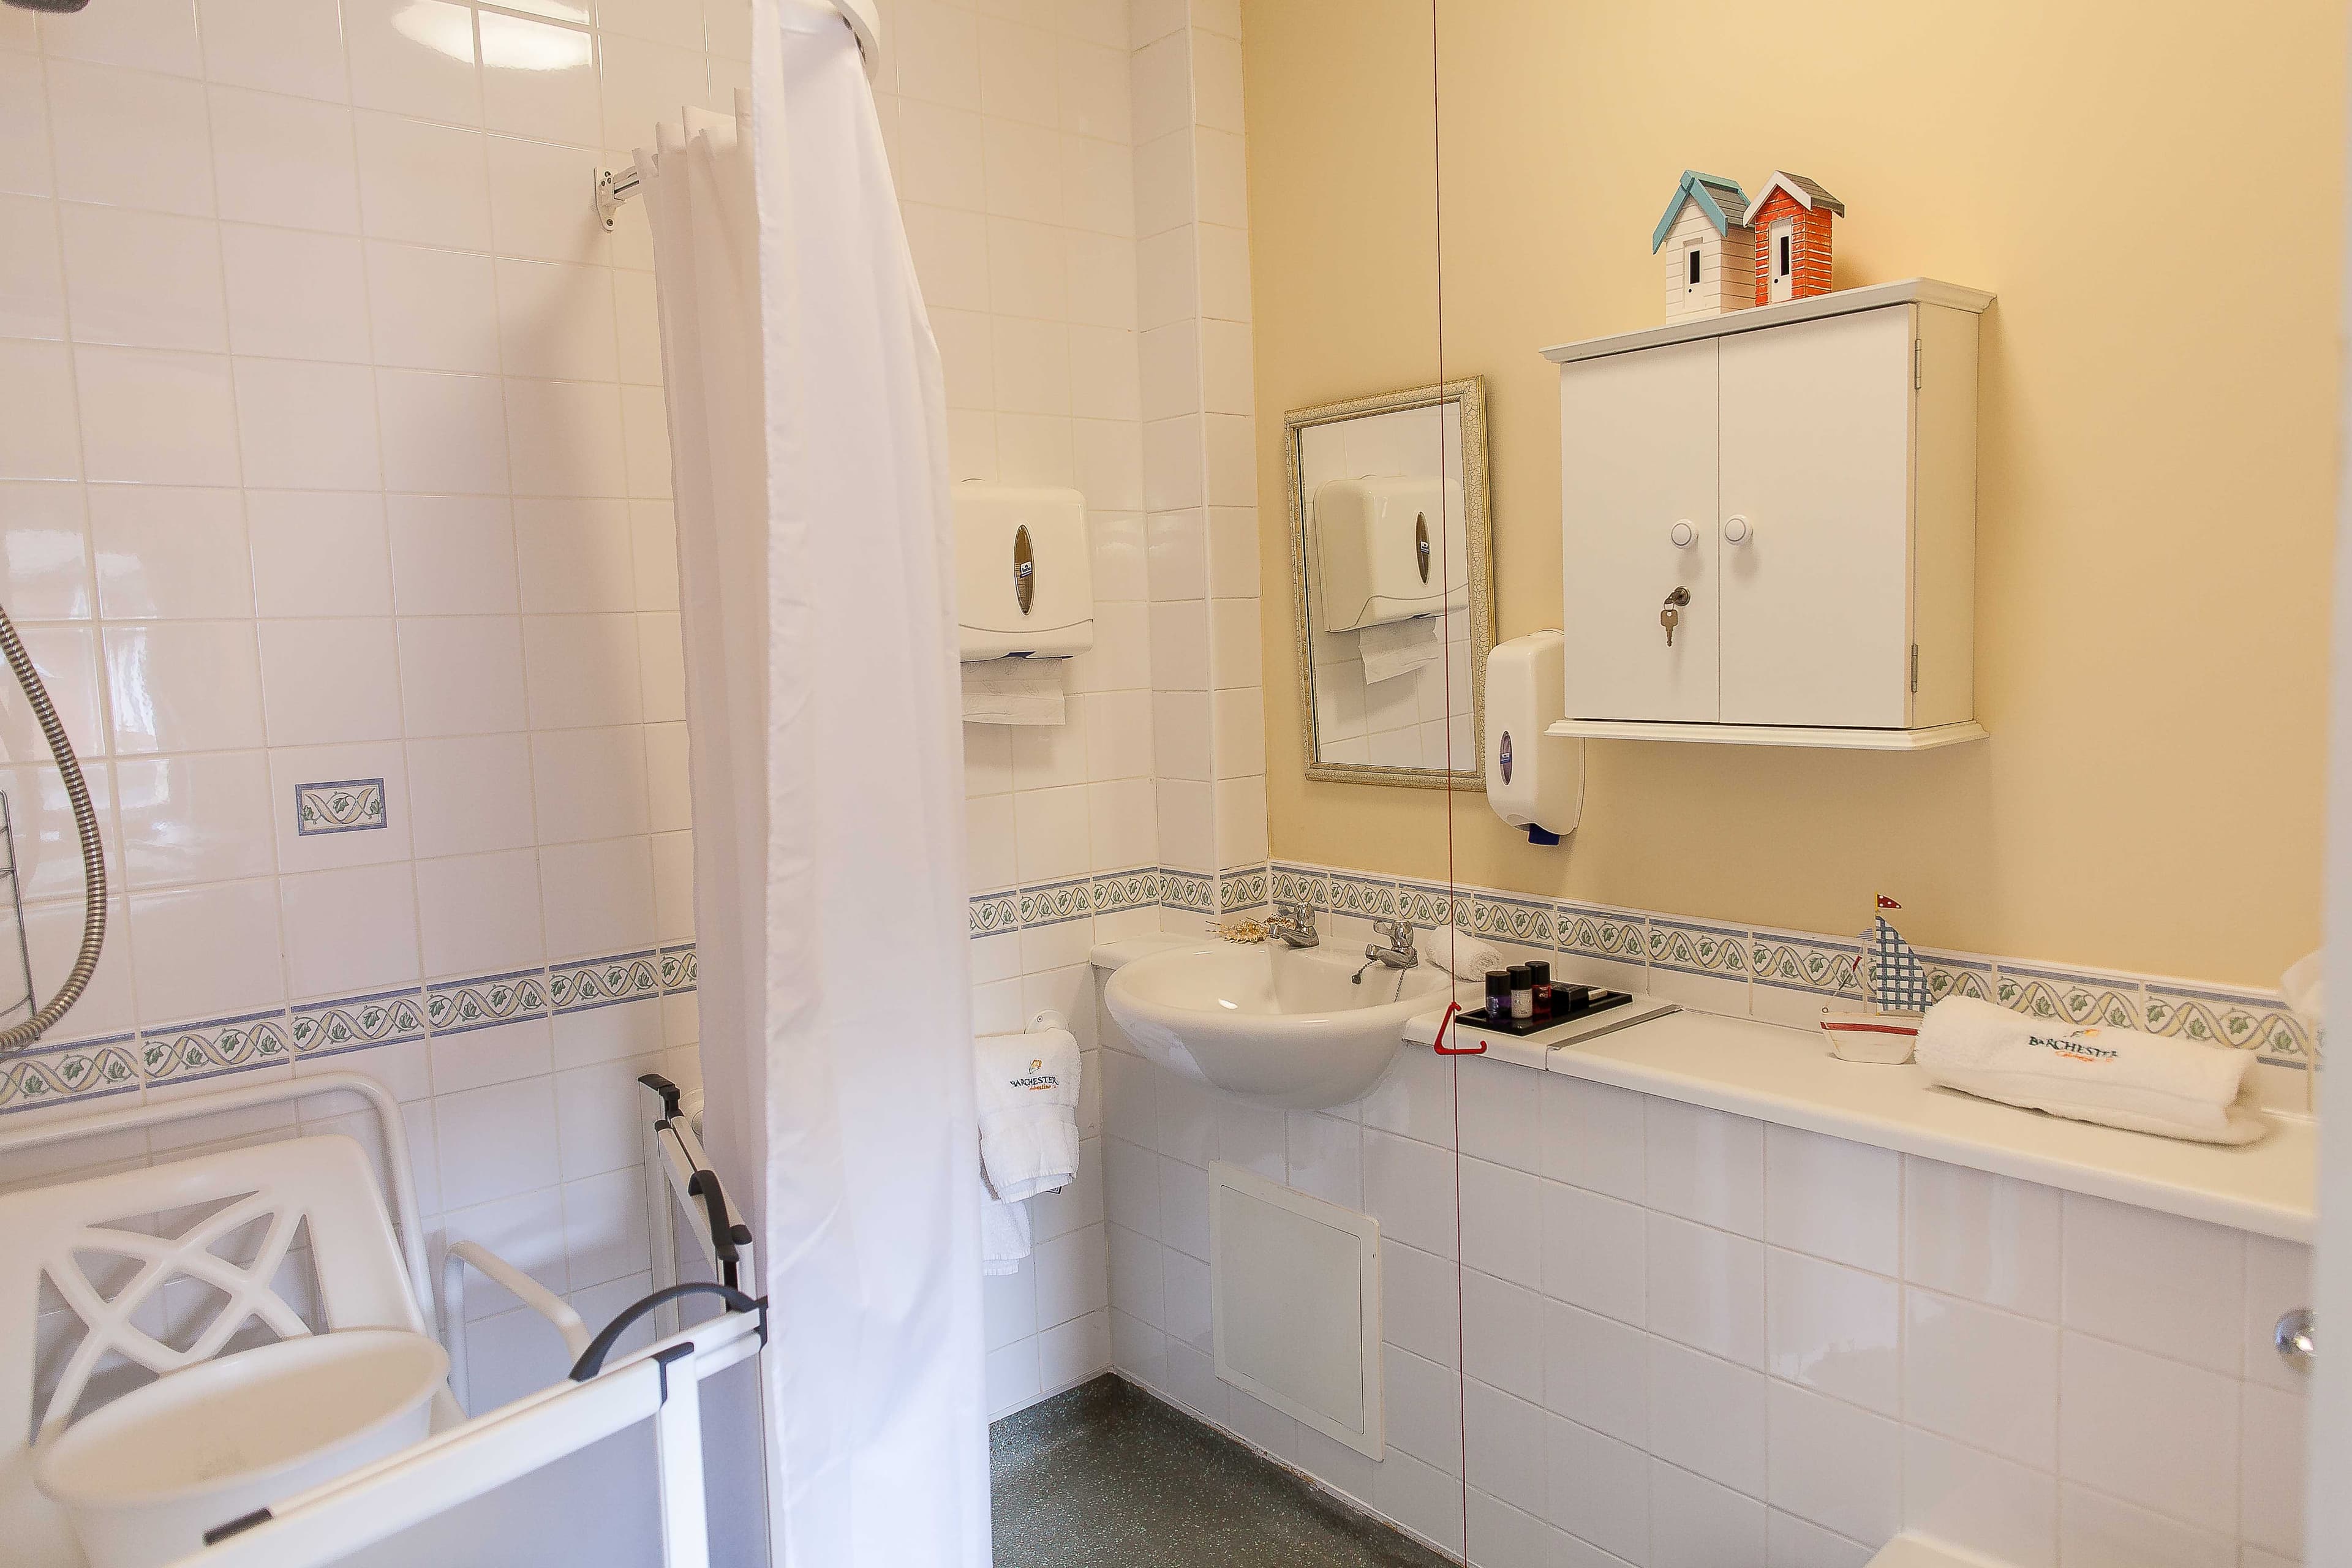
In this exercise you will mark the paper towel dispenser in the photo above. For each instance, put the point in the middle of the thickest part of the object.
(1389, 547)
(1025, 582)
(1534, 779)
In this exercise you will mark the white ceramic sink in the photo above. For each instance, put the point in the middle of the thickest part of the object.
(1276, 1024)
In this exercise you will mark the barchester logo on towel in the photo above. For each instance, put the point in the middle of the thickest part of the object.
(1038, 1078)
(2076, 1047)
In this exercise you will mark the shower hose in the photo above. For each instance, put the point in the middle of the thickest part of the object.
(93, 858)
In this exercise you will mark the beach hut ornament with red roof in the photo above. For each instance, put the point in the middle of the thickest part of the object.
(1789, 220)
(1885, 1028)
(1710, 255)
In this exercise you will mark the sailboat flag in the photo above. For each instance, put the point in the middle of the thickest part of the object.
(1899, 979)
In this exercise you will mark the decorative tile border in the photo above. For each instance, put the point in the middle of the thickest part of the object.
(454, 1006)
(188, 1052)
(1242, 889)
(1793, 961)
(601, 982)
(1189, 891)
(57, 1075)
(1815, 963)
(357, 1022)
(340, 805)
(75, 1070)
(1695, 948)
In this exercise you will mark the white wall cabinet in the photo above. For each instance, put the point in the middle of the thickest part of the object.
(1802, 478)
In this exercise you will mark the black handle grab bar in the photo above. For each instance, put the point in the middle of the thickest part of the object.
(592, 1360)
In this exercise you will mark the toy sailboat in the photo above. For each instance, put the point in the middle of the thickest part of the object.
(1895, 991)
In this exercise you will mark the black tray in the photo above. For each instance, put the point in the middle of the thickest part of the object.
(1591, 1003)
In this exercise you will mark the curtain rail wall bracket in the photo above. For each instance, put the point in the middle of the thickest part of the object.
(614, 186)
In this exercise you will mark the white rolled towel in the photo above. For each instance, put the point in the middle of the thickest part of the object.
(2122, 1078)
(1463, 957)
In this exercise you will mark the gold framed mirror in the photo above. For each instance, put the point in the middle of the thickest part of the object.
(1391, 571)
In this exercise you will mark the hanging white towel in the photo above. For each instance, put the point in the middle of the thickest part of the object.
(1398, 647)
(1012, 691)
(1028, 1112)
(2122, 1078)
(1004, 1235)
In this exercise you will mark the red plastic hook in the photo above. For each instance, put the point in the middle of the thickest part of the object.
(1447, 1022)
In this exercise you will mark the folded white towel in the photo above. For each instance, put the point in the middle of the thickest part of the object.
(1004, 1235)
(1463, 957)
(1012, 691)
(2123, 1077)
(1028, 1112)
(1398, 647)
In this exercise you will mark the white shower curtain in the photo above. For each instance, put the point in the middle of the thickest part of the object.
(816, 569)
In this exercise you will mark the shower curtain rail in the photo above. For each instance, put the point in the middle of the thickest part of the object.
(614, 186)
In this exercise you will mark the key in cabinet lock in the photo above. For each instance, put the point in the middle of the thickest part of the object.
(1671, 616)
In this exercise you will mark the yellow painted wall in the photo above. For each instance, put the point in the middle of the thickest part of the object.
(2155, 190)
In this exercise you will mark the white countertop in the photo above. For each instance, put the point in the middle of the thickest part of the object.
(1788, 1076)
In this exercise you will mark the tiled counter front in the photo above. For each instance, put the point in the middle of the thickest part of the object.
(1786, 977)
(1679, 1337)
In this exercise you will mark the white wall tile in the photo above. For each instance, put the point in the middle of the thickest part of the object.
(1835, 1329)
(1706, 1289)
(443, 433)
(1707, 1416)
(129, 138)
(1836, 1465)
(194, 819)
(329, 680)
(142, 279)
(1983, 1375)
(206, 951)
(1978, 1502)
(349, 932)
(152, 35)
(1705, 1165)
(480, 913)
(1987, 1237)
(307, 426)
(1695, 1524)
(318, 553)
(461, 675)
(183, 686)
(1596, 1372)
(413, 56)
(281, 160)
(1834, 1199)
(432, 310)
(165, 552)
(2164, 1284)
(2151, 1431)
(295, 295)
(426, 184)
(154, 419)
(2097, 1530)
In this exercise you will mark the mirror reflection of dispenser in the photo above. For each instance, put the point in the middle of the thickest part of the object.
(1390, 547)
(1024, 581)
(1535, 779)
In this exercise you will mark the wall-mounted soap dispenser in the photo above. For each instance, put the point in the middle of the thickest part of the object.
(1390, 547)
(1024, 581)
(1534, 779)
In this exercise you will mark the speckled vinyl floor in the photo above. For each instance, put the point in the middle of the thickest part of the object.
(1105, 1477)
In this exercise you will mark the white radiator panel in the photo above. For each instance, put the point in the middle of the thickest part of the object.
(1295, 1286)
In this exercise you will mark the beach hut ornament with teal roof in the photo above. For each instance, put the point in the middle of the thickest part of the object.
(1709, 250)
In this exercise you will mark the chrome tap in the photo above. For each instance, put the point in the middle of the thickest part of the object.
(1293, 924)
(1399, 954)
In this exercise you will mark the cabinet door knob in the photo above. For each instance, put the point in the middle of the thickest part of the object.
(1682, 533)
(1736, 530)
